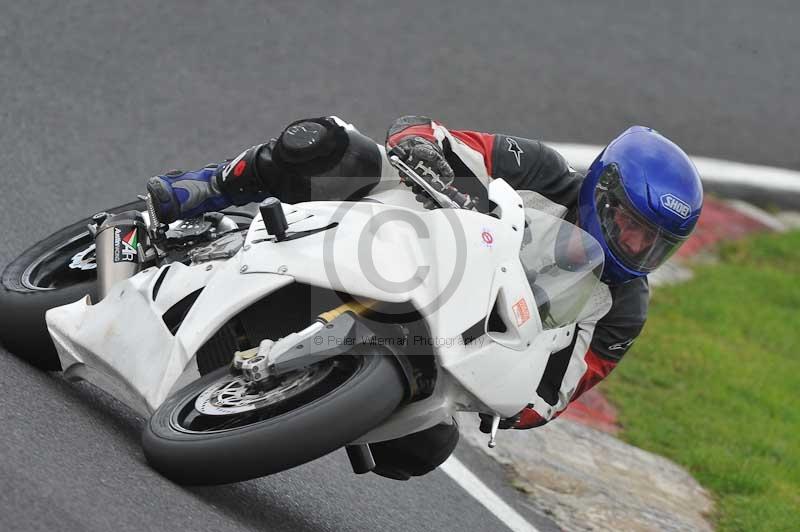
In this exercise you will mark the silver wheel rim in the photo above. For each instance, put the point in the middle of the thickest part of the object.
(28, 272)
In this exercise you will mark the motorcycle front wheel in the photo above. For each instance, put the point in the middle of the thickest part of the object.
(219, 429)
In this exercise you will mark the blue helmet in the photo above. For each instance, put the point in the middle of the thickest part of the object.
(641, 200)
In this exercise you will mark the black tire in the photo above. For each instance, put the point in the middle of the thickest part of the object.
(23, 303)
(305, 432)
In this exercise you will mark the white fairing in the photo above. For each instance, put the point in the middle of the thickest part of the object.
(453, 266)
(122, 344)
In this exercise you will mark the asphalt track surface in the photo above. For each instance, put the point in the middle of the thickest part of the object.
(95, 97)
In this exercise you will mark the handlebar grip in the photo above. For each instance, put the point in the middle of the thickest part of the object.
(419, 184)
(464, 201)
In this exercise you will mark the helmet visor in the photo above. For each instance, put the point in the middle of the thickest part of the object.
(636, 242)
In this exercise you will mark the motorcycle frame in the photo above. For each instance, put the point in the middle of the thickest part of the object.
(122, 345)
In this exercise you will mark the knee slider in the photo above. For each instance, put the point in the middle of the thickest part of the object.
(311, 146)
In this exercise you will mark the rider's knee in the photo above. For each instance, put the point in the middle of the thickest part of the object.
(307, 148)
(311, 146)
(326, 147)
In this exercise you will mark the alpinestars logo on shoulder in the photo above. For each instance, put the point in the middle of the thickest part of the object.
(125, 246)
(513, 147)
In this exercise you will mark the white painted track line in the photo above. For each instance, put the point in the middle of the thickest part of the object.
(475, 487)
(711, 170)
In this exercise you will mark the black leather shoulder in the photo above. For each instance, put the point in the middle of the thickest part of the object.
(532, 165)
(617, 330)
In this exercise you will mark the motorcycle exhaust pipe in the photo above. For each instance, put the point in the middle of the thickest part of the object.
(117, 249)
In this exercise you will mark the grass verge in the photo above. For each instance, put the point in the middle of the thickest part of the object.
(713, 383)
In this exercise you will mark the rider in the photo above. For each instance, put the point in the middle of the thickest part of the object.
(640, 199)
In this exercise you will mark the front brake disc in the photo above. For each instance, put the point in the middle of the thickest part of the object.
(234, 395)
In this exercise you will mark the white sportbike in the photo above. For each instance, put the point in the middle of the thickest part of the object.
(257, 340)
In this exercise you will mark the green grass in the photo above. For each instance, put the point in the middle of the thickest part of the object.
(713, 383)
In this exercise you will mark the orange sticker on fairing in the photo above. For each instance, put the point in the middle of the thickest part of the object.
(521, 312)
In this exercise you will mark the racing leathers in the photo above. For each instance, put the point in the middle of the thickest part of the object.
(347, 165)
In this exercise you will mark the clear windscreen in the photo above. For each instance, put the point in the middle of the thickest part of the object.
(563, 264)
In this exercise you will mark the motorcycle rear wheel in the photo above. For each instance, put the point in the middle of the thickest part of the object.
(339, 403)
(40, 279)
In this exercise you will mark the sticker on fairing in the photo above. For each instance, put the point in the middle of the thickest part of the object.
(487, 237)
(125, 245)
(521, 312)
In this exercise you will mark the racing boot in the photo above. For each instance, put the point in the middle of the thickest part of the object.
(180, 195)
